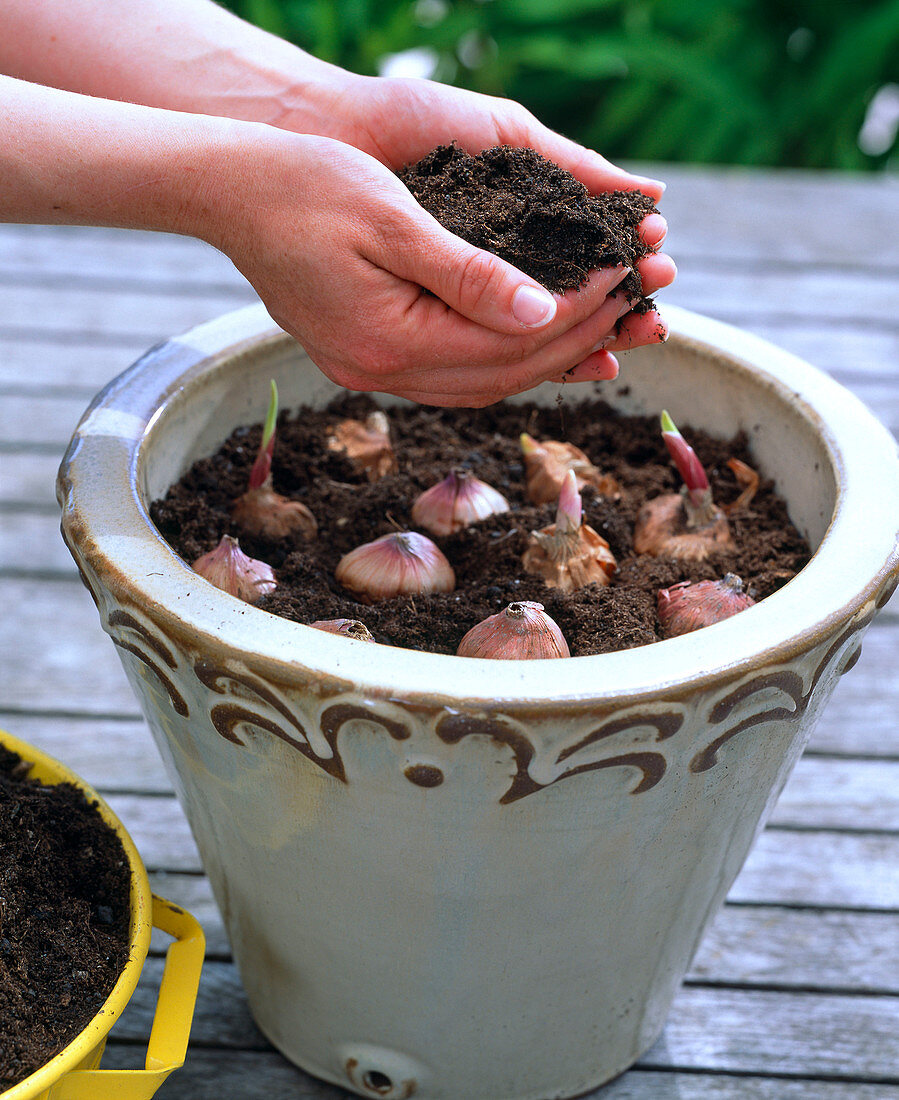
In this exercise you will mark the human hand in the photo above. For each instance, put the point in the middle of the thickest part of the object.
(338, 250)
(399, 120)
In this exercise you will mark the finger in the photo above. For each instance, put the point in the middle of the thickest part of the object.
(638, 329)
(653, 230)
(656, 271)
(601, 366)
(476, 382)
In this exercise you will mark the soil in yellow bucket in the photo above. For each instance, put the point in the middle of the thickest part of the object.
(64, 917)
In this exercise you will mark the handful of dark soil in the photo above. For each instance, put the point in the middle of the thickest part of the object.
(532, 213)
(64, 917)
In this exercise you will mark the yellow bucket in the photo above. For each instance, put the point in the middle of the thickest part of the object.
(74, 1073)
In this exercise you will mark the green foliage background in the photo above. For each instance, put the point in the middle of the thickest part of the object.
(776, 82)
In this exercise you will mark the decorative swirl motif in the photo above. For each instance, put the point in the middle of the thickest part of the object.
(790, 683)
(252, 702)
(652, 765)
(227, 717)
(452, 728)
(147, 647)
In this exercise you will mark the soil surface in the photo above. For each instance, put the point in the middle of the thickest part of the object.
(526, 209)
(487, 557)
(64, 917)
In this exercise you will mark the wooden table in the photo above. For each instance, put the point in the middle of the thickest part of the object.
(795, 991)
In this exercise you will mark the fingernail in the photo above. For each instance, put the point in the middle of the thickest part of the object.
(533, 306)
(626, 306)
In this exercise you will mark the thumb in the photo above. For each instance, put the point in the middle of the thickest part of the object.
(473, 282)
(486, 289)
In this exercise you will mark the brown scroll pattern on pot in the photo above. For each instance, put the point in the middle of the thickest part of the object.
(651, 764)
(250, 702)
(844, 651)
(128, 633)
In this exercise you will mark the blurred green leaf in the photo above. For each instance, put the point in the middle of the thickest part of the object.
(743, 81)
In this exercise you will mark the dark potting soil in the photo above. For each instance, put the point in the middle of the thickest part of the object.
(487, 557)
(64, 917)
(532, 213)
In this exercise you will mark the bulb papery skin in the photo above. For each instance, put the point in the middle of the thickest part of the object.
(520, 632)
(569, 558)
(266, 513)
(403, 563)
(366, 443)
(233, 571)
(686, 607)
(546, 464)
(662, 529)
(346, 628)
(456, 502)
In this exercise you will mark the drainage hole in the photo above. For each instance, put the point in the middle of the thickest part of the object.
(377, 1082)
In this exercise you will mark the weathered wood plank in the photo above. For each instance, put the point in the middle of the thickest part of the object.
(30, 543)
(36, 361)
(29, 481)
(743, 1031)
(860, 717)
(45, 254)
(744, 214)
(77, 670)
(747, 1031)
(50, 421)
(849, 351)
(807, 948)
(826, 296)
(826, 869)
(149, 316)
(841, 794)
(111, 755)
(214, 1074)
(71, 667)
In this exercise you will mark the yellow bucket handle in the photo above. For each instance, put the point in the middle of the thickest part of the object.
(171, 1022)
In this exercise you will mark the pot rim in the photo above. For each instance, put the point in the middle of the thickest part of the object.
(108, 529)
(49, 770)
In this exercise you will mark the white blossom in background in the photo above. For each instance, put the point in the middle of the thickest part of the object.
(417, 62)
(878, 131)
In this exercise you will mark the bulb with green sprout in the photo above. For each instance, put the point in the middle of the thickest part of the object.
(260, 510)
(687, 524)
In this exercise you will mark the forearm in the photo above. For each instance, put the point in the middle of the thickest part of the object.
(75, 159)
(183, 55)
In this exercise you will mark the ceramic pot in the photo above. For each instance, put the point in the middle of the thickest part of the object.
(74, 1073)
(459, 879)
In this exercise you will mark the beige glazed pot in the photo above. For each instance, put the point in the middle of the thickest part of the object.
(458, 879)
